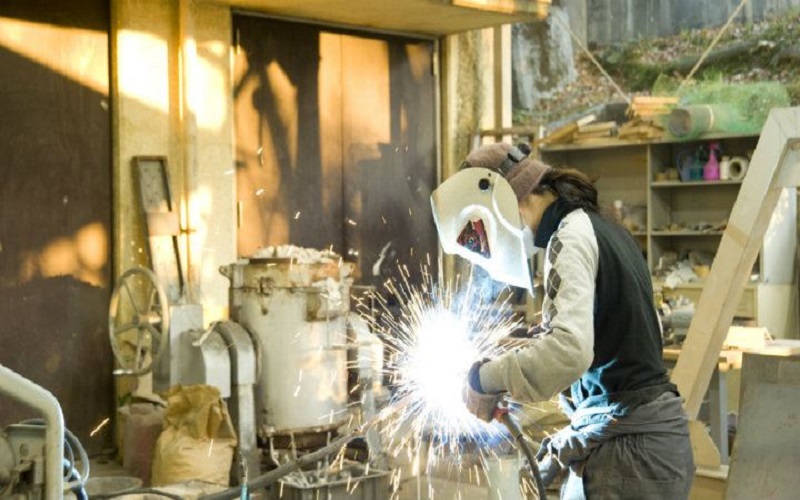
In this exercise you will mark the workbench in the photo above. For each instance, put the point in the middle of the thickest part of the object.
(729, 360)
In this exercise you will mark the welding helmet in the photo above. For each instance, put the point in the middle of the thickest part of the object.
(477, 217)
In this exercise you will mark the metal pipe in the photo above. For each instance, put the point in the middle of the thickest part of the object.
(23, 390)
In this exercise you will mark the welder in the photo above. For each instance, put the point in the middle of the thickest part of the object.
(599, 343)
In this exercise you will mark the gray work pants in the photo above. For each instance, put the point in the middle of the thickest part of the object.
(645, 456)
(647, 466)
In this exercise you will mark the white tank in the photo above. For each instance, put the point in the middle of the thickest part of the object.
(297, 312)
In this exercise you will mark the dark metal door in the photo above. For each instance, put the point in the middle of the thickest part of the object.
(336, 144)
(55, 208)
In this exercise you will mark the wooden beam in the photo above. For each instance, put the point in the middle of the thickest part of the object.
(502, 79)
(738, 250)
(538, 7)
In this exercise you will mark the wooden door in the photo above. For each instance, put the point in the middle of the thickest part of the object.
(336, 146)
(55, 208)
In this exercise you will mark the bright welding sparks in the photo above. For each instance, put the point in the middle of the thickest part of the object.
(433, 341)
(436, 363)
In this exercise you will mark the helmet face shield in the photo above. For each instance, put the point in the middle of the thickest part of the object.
(474, 238)
(477, 218)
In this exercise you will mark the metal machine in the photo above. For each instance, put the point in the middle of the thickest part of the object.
(281, 362)
(32, 462)
(297, 314)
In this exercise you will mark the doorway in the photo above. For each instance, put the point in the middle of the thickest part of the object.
(335, 136)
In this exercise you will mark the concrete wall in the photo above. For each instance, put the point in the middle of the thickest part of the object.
(171, 97)
(542, 58)
(610, 21)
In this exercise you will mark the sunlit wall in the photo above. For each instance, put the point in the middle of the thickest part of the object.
(171, 70)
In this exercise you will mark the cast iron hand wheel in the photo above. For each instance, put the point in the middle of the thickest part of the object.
(138, 321)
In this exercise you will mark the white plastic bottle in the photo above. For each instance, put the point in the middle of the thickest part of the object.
(725, 168)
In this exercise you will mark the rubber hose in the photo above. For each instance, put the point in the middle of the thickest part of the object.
(516, 432)
(71, 443)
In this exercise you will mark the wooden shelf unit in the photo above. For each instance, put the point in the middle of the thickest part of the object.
(675, 217)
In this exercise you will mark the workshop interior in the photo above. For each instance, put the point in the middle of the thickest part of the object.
(241, 255)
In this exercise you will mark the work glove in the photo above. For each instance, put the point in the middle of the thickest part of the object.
(480, 404)
(549, 465)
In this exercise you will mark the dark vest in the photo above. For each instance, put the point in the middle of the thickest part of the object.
(628, 369)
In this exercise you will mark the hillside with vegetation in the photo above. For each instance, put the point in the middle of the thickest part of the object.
(768, 51)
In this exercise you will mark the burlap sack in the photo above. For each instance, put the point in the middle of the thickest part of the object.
(198, 440)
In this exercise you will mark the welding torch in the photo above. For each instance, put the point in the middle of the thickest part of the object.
(502, 414)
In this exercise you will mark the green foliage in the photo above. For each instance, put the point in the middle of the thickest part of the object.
(793, 90)
(644, 65)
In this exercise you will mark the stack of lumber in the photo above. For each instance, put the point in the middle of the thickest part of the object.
(647, 115)
(639, 129)
(599, 132)
(564, 134)
(651, 108)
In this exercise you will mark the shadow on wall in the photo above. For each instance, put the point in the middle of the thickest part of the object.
(55, 219)
(336, 144)
(279, 164)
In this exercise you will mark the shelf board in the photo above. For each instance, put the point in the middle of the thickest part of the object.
(612, 143)
(659, 283)
(639, 233)
(674, 184)
(686, 233)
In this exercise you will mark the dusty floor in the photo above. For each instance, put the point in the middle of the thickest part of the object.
(413, 488)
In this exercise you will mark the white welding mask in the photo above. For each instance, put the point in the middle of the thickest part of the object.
(528, 238)
(477, 217)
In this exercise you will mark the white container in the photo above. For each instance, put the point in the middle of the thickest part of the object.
(725, 168)
(738, 168)
(297, 312)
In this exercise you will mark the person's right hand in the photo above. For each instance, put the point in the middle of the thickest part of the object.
(482, 405)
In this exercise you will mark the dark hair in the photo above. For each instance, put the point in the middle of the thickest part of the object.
(572, 186)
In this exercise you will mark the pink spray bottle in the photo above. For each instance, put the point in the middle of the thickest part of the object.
(711, 168)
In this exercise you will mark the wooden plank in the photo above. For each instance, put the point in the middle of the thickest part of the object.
(161, 223)
(643, 100)
(705, 452)
(597, 127)
(738, 250)
(502, 79)
(537, 7)
(564, 133)
(782, 347)
(411, 17)
(599, 141)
